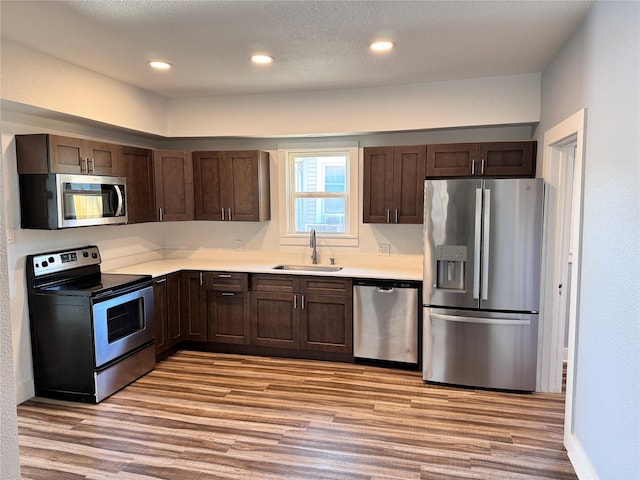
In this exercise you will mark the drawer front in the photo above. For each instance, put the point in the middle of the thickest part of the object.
(326, 286)
(224, 281)
(274, 283)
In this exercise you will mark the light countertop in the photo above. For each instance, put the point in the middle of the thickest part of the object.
(397, 269)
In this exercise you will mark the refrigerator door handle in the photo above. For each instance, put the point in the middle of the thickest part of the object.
(486, 243)
(476, 245)
(492, 321)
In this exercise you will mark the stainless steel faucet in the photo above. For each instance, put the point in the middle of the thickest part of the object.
(313, 245)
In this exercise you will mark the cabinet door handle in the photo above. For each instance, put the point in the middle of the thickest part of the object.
(224, 275)
(222, 213)
(83, 166)
(91, 165)
(295, 302)
(302, 302)
(482, 168)
(473, 166)
(160, 216)
(229, 214)
(396, 215)
(201, 279)
(388, 215)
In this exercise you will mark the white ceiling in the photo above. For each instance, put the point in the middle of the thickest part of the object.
(317, 45)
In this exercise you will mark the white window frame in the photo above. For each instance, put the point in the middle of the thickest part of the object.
(287, 199)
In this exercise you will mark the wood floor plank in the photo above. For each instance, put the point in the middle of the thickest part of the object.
(203, 415)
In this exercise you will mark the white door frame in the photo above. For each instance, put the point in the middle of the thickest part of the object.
(567, 132)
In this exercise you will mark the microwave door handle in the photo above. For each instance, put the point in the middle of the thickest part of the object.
(486, 244)
(476, 244)
(120, 200)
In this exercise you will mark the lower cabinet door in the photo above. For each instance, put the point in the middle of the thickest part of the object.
(228, 317)
(326, 324)
(274, 320)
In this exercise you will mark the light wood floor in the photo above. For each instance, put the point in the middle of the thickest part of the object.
(214, 416)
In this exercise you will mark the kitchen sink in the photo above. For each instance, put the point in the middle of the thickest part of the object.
(309, 268)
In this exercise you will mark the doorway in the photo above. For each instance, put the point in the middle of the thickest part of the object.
(563, 157)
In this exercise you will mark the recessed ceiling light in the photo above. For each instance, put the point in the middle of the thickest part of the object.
(160, 65)
(382, 46)
(262, 59)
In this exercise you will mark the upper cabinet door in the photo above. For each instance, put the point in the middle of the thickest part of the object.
(136, 165)
(508, 159)
(408, 183)
(452, 159)
(377, 195)
(101, 158)
(67, 155)
(209, 172)
(173, 179)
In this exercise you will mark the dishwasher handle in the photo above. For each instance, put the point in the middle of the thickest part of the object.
(384, 289)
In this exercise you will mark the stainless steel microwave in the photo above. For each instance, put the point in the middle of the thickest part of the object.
(53, 201)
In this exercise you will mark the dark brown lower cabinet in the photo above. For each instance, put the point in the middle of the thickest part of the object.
(302, 313)
(228, 317)
(166, 298)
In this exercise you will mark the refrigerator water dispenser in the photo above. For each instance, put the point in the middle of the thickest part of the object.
(451, 261)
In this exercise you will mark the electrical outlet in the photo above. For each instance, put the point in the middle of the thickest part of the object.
(383, 249)
(11, 235)
(238, 245)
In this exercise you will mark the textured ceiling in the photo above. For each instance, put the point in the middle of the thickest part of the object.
(317, 45)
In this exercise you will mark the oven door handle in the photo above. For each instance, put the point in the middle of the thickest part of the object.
(120, 200)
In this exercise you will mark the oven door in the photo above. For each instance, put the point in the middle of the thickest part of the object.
(122, 324)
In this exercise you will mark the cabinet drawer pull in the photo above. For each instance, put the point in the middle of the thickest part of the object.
(224, 275)
(228, 294)
(162, 280)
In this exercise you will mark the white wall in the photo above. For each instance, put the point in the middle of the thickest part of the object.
(599, 68)
(484, 101)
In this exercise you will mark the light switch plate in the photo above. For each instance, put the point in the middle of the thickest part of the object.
(383, 249)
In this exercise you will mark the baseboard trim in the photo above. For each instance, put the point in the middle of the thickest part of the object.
(579, 459)
(24, 391)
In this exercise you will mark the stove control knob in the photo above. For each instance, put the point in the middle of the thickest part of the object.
(45, 264)
(94, 255)
(52, 260)
(85, 254)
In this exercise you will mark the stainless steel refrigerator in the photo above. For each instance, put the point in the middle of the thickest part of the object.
(482, 249)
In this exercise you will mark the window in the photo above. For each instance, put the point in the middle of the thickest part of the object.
(321, 195)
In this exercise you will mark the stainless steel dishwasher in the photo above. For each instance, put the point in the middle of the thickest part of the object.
(385, 320)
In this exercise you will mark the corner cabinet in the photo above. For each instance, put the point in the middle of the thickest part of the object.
(136, 165)
(44, 153)
(394, 184)
(173, 181)
(232, 186)
(503, 159)
(304, 314)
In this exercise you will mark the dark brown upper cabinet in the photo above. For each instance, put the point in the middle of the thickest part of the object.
(173, 182)
(44, 153)
(232, 186)
(136, 165)
(394, 184)
(501, 159)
